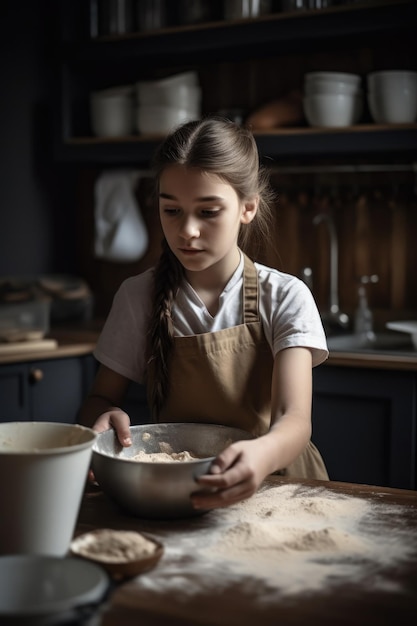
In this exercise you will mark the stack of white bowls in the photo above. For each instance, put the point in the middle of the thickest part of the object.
(111, 111)
(392, 96)
(332, 99)
(164, 104)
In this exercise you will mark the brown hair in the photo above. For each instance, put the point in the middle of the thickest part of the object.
(220, 147)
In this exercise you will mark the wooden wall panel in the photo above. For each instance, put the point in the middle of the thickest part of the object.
(376, 226)
(398, 252)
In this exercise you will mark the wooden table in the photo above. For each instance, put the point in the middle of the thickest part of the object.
(191, 587)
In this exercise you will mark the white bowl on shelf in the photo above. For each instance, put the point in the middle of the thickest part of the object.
(111, 114)
(392, 96)
(157, 119)
(332, 110)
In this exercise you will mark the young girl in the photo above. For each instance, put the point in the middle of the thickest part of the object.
(215, 337)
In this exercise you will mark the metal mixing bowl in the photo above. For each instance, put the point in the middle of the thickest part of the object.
(159, 490)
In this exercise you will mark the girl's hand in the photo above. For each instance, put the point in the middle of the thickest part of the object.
(235, 475)
(117, 419)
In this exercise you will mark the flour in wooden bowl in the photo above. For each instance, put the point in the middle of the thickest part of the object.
(122, 553)
(110, 545)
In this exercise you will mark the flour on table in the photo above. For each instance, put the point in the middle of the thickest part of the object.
(259, 537)
(291, 538)
(300, 538)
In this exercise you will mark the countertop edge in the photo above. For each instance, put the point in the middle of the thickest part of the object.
(75, 342)
(371, 360)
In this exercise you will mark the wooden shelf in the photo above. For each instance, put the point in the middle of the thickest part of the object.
(276, 144)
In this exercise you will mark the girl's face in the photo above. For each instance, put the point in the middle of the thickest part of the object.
(201, 217)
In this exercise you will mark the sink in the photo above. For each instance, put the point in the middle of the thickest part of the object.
(383, 342)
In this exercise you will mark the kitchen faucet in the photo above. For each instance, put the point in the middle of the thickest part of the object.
(334, 316)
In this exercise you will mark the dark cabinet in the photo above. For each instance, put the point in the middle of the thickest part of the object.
(364, 423)
(48, 390)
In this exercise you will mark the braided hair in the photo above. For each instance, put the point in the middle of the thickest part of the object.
(229, 151)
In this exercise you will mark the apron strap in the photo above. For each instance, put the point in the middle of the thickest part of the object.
(250, 292)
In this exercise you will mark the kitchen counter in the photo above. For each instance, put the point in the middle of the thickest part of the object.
(354, 560)
(81, 340)
(70, 342)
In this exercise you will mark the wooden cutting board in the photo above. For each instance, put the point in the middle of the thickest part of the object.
(17, 347)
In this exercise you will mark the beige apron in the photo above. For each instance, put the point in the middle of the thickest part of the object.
(225, 378)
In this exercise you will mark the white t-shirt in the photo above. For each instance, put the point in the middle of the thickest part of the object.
(287, 309)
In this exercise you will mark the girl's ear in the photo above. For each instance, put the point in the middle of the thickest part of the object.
(250, 208)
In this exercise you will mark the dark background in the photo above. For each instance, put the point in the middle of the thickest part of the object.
(37, 221)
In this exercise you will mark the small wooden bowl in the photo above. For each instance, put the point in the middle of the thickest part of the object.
(126, 568)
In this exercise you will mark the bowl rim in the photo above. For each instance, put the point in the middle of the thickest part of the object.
(382, 73)
(197, 461)
(349, 77)
(90, 434)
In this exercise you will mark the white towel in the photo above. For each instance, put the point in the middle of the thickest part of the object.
(120, 231)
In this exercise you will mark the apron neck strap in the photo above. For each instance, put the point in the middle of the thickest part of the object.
(250, 292)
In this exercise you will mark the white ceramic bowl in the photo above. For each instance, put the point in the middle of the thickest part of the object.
(332, 110)
(388, 109)
(44, 466)
(46, 591)
(344, 77)
(392, 110)
(161, 118)
(111, 114)
(392, 96)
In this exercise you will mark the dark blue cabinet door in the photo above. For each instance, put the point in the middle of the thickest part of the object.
(14, 398)
(56, 393)
(364, 423)
(49, 390)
